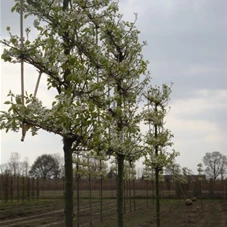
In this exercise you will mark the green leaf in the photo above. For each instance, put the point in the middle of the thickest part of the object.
(6, 57)
(26, 15)
(13, 40)
(14, 7)
(27, 42)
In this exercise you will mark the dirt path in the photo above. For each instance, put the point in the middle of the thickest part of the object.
(207, 213)
(212, 214)
(222, 208)
(52, 218)
(33, 218)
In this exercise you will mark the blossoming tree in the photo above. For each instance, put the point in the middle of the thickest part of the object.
(85, 50)
(157, 139)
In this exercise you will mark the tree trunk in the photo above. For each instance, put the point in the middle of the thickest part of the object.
(130, 196)
(68, 182)
(11, 189)
(23, 189)
(37, 188)
(90, 195)
(147, 191)
(101, 198)
(18, 188)
(134, 195)
(28, 188)
(153, 189)
(78, 195)
(157, 196)
(120, 205)
(124, 195)
(157, 176)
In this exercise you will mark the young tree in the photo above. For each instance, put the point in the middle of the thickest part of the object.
(24, 167)
(216, 164)
(200, 169)
(4, 168)
(181, 175)
(157, 139)
(125, 85)
(173, 169)
(14, 163)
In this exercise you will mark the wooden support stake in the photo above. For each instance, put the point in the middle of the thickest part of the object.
(37, 84)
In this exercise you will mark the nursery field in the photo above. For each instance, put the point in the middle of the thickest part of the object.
(138, 213)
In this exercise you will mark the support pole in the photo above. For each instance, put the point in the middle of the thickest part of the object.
(37, 84)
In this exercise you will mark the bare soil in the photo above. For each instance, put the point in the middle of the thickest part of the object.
(45, 213)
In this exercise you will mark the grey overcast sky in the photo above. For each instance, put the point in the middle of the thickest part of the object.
(186, 46)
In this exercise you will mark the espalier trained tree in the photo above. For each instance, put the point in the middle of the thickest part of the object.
(127, 76)
(56, 52)
(76, 40)
(157, 139)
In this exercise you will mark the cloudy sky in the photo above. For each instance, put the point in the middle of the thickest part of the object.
(186, 46)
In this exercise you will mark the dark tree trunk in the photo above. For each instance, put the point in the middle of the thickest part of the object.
(23, 189)
(37, 189)
(90, 197)
(28, 188)
(130, 196)
(78, 194)
(33, 188)
(120, 205)
(6, 188)
(11, 189)
(18, 188)
(124, 195)
(65, 4)
(157, 169)
(147, 191)
(153, 189)
(68, 182)
(101, 198)
(134, 195)
(157, 196)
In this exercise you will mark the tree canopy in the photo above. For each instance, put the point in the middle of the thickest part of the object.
(216, 164)
(46, 167)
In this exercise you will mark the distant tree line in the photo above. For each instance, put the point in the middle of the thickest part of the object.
(15, 166)
(50, 166)
(45, 166)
